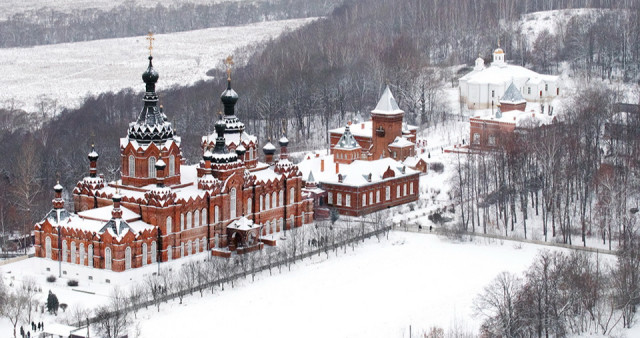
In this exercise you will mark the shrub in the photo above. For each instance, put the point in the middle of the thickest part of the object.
(72, 282)
(437, 167)
(51, 278)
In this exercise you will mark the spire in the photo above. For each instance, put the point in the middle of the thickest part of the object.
(387, 104)
(229, 97)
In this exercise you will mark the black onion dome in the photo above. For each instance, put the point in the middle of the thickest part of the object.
(240, 151)
(57, 188)
(160, 165)
(150, 76)
(269, 149)
(229, 96)
(93, 155)
(283, 141)
(221, 127)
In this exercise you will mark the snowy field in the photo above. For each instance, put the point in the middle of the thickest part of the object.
(11, 7)
(554, 20)
(69, 72)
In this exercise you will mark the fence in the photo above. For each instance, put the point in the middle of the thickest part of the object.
(247, 272)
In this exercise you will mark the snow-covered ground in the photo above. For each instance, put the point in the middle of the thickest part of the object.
(69, 72)
(10, 7)
(554, 21)
(378, 290)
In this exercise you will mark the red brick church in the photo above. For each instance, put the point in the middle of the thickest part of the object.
(162, 209)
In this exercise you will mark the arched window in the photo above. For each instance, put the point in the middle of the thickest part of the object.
(169, 253)
(189, 219)
(152, 167)
(347, 200)
(182, 249)
(249, 206)
(216, 214)
(261, 206)
(274, 199)
(132, 166)
(266, 202)
(398, 191)
(107, 259)
(72, 259)
(364, 200)
(144, 254)
(204, 244)
(371, 197)
(196, 218)
(188, 249)
(205, 221)
(127, 258)
(411, 188)
(47, 247)
(281, 198)
(404, 188)
(154, 252)
(292, 224)
(90, 255)
(64, 250)
(387, 195)
(172, 165)
(216, 240)
(81, 254)
(377, 196)
(232, 203)
(194, 248)
(292, 195)
(169, 225)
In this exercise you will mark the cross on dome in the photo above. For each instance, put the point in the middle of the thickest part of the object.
(150, 38)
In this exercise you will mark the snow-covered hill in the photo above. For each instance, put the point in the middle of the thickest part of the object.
(66, 73)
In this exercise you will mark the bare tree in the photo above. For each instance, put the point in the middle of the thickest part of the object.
(113, 319)
(497, 304)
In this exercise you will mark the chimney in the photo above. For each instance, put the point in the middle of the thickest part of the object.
(58, 202)
(340, 178)
(362, 125)
(322, 165)
(337, 167)
(116, 212)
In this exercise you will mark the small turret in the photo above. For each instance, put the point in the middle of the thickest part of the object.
(116, 212)
(58, 202)
(93, 162)
(269, 149)
(160, 167)
(241, 150)
(283, 142)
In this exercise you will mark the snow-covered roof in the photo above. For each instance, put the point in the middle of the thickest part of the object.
(365, 129)
(505, 74)
(387, 104)
(354, 174)
(104, 214)
(266, 175)
(162, 145)
(243, 224)
(269, 146)
(520, 118)
(347, 141)
(512, 95)
(401, 142)
(231, 138)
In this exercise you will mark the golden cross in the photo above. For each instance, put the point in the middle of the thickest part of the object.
(150, 38)
(229, 62)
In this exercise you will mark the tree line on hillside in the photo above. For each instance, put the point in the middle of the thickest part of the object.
(310, 80)
(49, 26)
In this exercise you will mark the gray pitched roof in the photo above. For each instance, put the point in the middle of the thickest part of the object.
(347, 141)
(387, 104)
(512, 95)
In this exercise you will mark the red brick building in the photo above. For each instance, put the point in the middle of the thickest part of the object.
(365, 171)
(162, 209)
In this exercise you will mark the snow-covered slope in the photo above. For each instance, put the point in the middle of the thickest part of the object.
(554, 21)
(70, 71)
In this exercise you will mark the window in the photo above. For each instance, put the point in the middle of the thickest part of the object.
(557, 91)
(546, 87)
(132, 166)
(47, 247)
(72, 259)
(281, 198)
(144, 254)
(266, 202)
(249, 206)
(172, 165)
(216, 214)
(250, 154)
(204, 244)
(127, 258)
(232, 203)
(330, 198)
(261, 203)
(404, 188)
(169, 253)
(529, 90)
(169, 225)
(394, 155)
(387, 193)
(196, 218)
(64, 250)
(492, 140)
(152, 167)
(205, 221)
(107, 259)
(398, 191)
(189, 219)
(493, 93)
(181, 250)
(274, 199)
(194, 248)
(339, 199)
(181, 222)
(377, 196)
(347, 200)
(411, 188)
(81, 254)
(90, 255)
(476, 138)
(292, 195)
(370, 197)
(188, 248)
(154, 252)
(364, 200)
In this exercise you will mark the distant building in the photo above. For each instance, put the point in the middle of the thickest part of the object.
(162, 209)
(484, 87)
(365, 170)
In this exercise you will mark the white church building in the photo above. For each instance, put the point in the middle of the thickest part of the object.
(486, 85)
